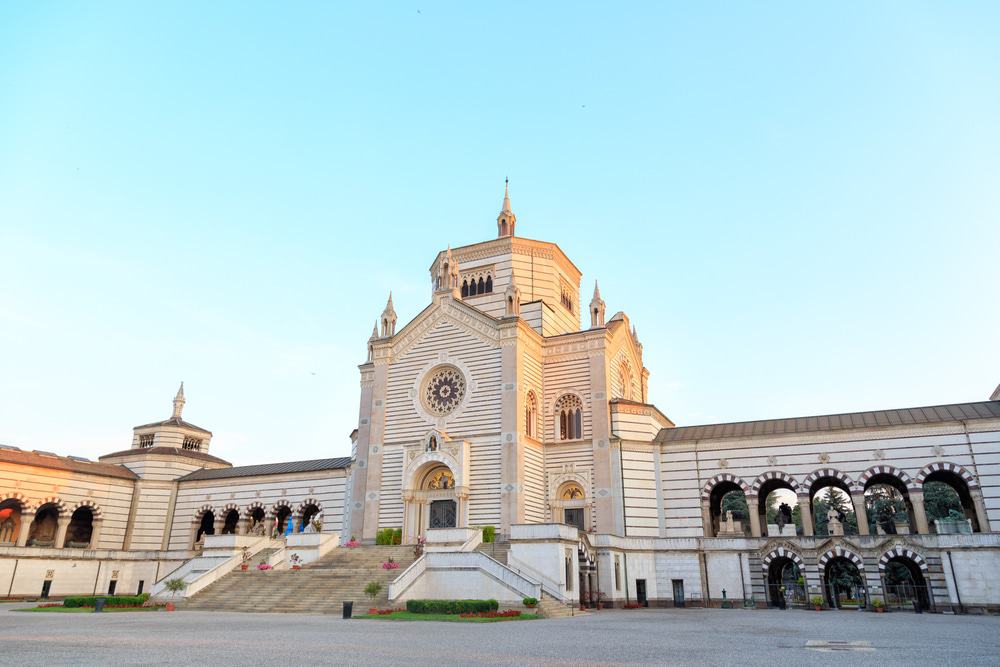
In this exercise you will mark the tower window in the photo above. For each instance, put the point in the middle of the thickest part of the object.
(530, 414)
(569, 417)
(465, 288)
(192, 443)
(146, 440)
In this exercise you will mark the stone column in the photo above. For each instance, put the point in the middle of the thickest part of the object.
(980, 506)
(511, 430)
(27, 517)
(218, 524)
(61, 529)
(859, 512)
(806, 513)
(754, 517)
(919, 512)
(706, 519)
(241, 525)
(95, 533)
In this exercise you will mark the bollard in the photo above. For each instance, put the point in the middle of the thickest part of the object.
(917, 608)
(348, 608)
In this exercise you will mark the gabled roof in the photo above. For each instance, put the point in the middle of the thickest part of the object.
(175, 421)
(836, 422)
(168, 451)
(67, 463)
(638, 404)
(269, 469)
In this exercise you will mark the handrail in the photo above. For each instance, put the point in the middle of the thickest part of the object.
(407, 577)
(544, 581)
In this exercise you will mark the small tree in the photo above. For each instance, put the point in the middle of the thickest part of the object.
(373, 589)
(175, 586)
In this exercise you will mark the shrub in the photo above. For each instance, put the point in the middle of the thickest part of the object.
(489, 533)
(389, 536)
(507, 613)
(109, 600)
(530, 601)
(816, 601)
(372, 589)
(451, 606)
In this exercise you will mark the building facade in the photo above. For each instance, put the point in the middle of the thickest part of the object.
(495, 407)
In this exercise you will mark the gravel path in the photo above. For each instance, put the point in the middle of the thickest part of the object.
(687, 637)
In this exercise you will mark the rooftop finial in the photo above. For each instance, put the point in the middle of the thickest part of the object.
(506, 219)
(178, 402)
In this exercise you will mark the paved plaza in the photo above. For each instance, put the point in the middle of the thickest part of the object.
(642, 637)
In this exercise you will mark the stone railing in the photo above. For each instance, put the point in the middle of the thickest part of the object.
(407, 577)
(464, 560)
(453, 539)
(310, 547)
(221, 555)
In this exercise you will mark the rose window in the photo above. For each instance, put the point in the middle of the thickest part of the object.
(444, 390)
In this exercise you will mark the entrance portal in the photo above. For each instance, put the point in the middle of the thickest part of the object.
(574, 517)
(443, 514)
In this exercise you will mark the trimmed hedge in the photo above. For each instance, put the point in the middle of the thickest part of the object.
(451, 606)
(489, 533)
(109, 600)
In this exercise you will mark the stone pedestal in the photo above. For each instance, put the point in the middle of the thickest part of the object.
(787, 531)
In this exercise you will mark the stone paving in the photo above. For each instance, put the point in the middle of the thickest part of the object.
(688, 637)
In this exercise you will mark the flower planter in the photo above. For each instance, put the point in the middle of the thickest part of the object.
(296, 567)
(244, 567)
(818, 607)
(170, 606)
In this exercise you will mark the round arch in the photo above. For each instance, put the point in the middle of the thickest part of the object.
(843, 574)
(904, 578)
(307, 511)
(50, 512)
(13, 505)
(885, 470)
(782, 569)
(963, 483)
(714, 492)
(706, 490)
(256, 515)
(810, 485)
(771, 475)
(943, 466)
(204, 523)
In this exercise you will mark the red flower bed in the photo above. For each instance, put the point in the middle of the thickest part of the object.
(509, 613)
(382, 612)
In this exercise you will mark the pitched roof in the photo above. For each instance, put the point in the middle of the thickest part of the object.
(270, 469)
(176, 421)
(68, 463)
(837, 422)
(168, 451)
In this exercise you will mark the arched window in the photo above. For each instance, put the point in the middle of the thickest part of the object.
(481, 287)
(625, 380)
(489, 284)
(465, 288)
(569, 417)
(530, 414)
(432, 444)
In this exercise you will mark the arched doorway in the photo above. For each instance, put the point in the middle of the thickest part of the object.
(42, 532)
(10, 520)
(843, 579)
(231, 523)
(309, 511)
(572, 501)
(776, 506)
(786, 584)
(887, 502)
(728, 496)
(943, 484)
(442, 512)
(81, 528)
(206, 526)
(830, 503)
(904, 582)
(282, 513)
(256, 525)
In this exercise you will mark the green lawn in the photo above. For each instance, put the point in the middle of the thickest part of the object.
(86, 610)
(452, 618)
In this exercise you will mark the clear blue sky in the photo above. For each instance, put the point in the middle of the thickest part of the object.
(796, 204)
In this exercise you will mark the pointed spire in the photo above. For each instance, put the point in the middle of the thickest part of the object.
(596, 308)
(388, 319)
(178, 403)
(506, 219)
(374, 331)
